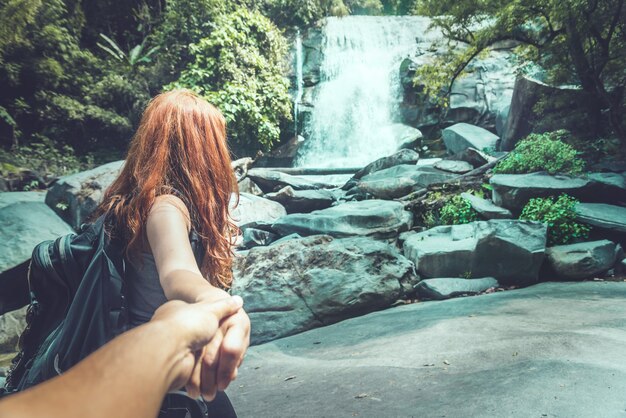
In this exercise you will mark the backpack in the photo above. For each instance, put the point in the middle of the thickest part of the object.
(86, 268)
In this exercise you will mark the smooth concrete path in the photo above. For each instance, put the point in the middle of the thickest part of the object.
(551, 350)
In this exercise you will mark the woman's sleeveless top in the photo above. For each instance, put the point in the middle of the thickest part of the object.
(145, 293)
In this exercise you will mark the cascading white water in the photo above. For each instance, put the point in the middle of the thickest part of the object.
(357, 99)
(299, 81)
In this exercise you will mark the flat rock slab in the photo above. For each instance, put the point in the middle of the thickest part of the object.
(378, 218)
(513, 191)
(603, 216)
(486, 208)
(552, 350)
(446, 288)
(272, 181)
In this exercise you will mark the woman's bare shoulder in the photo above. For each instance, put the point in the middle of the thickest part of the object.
(168, 205)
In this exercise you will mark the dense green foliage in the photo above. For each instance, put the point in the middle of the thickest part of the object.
(576, 42)
(79, 74)
(53, 88)
(43, 157)
(542, 152)
(559, 215)
(239, 68)
(457, 211)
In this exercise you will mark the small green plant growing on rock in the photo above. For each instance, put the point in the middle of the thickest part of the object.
(559, 215)
(457, 211)
(542, 152)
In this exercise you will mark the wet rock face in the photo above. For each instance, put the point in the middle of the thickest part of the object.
(377, 218)
(478, 98)
(306, 283)
(76, 196)
(561, 108)
(510, 251)
(583, 260)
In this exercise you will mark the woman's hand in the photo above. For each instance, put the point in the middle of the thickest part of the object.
(222, 356)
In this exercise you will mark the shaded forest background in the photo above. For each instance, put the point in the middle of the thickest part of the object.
(75, 75)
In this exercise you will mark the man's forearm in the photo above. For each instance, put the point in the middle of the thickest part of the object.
(104, 385)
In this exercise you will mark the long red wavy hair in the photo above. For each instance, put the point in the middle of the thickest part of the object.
(180, 148)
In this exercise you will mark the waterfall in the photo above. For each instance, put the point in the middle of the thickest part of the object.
(360, 90)
(299, 82)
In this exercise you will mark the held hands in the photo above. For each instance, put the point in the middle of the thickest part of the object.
(220, 328)
(222, 356)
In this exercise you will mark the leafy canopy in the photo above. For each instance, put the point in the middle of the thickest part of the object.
(239, 68)
(575, 41)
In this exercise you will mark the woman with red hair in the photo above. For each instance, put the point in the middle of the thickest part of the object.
(177, 180)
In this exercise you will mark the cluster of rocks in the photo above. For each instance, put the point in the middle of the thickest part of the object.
(315, 250)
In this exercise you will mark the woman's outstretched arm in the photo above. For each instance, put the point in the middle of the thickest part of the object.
(168, 234)
(128, 377)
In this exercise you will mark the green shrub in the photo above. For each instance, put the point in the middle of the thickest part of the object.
(559, 215)
(542, 152)
(457, 211)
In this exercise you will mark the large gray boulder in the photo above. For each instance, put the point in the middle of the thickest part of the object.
(75, 197)
(253, 208)
(510, 251)
(402, 157)
(407, 137)
(377, 218)
(306, 283)
(603, 216)
(513, 191)
(25, 221)
(439, 289)
(562, 107)
(398, 181)
(303, 201)
(486, 208)
(583, 260)
(463, 135)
